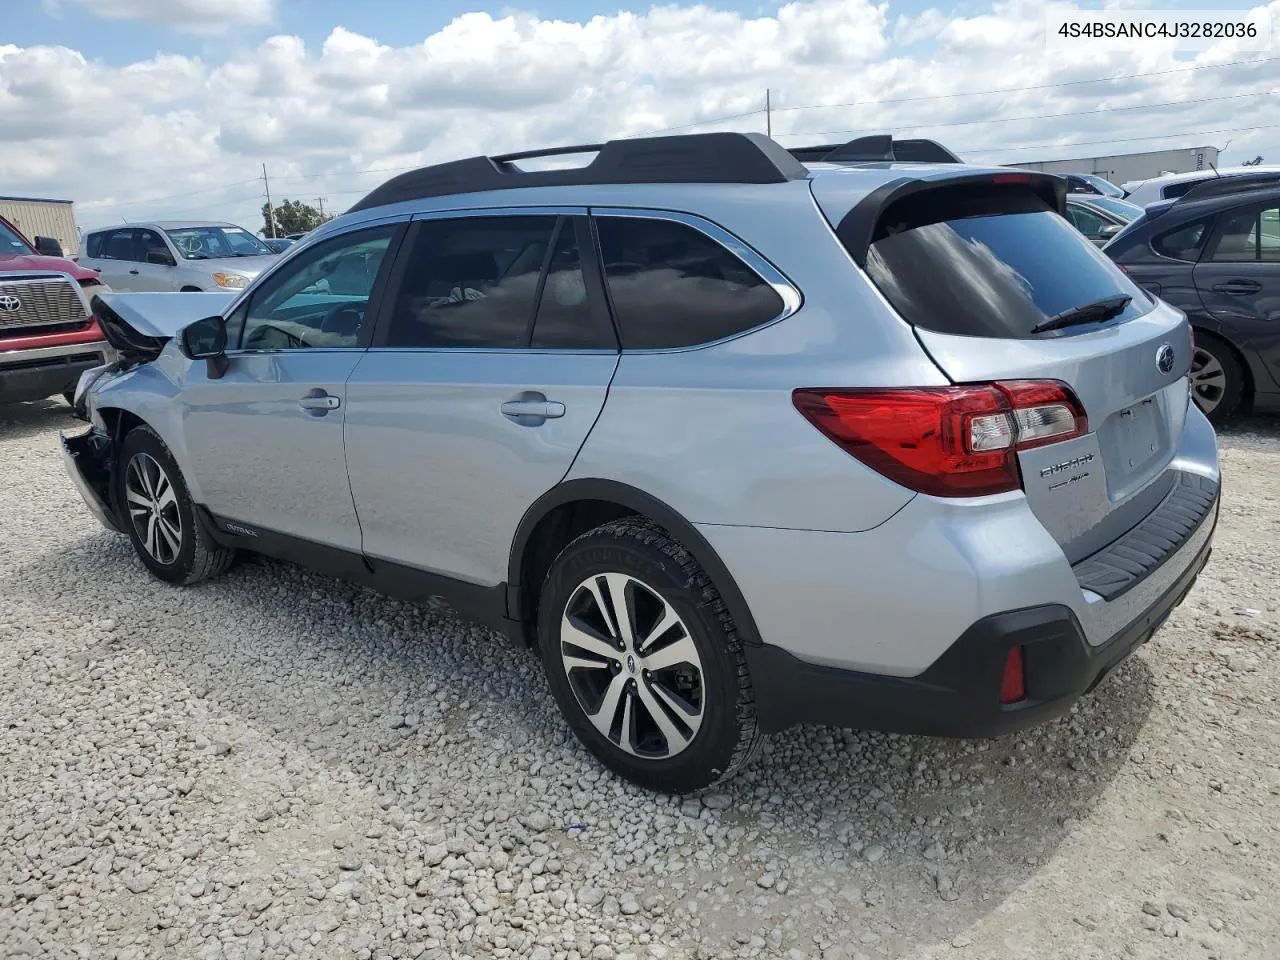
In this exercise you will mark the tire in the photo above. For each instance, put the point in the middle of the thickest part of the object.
(1217, 377)
(69, 395)
(709, 731)
(180, 552)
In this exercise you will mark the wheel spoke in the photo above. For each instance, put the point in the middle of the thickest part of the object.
(581, 663)
(135, 497)
(172, 535)
(593, 585)
(165, 496)
(152, 542)
(677, 652)
(627, 732)
(578, 635)
(622, 613)
(686, 711)
(676, 740)
(605, 714)
(669, 620)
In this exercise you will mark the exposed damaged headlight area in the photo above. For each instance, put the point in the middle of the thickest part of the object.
(90, 461)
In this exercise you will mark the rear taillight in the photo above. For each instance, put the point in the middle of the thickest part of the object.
(1013, 684)
(959, 441)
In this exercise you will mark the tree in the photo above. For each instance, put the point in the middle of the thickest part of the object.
(1252, 163)
(292, 216)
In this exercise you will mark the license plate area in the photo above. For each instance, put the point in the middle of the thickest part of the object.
(1133, 443)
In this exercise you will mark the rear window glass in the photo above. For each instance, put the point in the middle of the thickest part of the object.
(1184, 243)
(949, 262)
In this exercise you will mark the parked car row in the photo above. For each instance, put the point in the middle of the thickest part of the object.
(701, 423)
(176, 256)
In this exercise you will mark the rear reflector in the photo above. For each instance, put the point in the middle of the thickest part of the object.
(959, 441)
(1013, 686)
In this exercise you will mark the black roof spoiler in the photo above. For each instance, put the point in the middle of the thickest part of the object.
(687, 158)
(858, 227)
(880, 148)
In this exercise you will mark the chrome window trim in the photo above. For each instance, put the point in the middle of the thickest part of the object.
(789, 293)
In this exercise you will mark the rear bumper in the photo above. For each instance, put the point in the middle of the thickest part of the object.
(959, 694)
(38, 372)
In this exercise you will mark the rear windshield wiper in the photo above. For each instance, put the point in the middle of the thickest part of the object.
(1096, 312)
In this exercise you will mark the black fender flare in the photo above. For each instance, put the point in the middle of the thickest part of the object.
(624, 495)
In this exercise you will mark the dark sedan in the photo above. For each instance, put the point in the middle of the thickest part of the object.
(1215, 254)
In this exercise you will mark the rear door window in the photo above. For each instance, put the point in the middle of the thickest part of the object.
(989, 264)
(1185, 242)
(672, 285)
(1247, 236)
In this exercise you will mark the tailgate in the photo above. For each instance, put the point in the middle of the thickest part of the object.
(999, 286)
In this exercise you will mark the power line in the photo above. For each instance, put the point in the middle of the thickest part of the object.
(1042, 116)
(1089, 143)
(179, 196)
(1040, 86)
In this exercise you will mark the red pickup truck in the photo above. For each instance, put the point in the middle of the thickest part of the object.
(48, 334)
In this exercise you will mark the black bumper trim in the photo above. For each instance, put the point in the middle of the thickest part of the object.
(959, 695)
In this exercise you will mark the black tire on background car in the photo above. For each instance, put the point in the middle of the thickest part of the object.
(1217, 377)
(661, 695)
(158, 514)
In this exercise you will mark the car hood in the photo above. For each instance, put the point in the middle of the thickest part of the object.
(139, 324)
(247, 266)
(36, 263)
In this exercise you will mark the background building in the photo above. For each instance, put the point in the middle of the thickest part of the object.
(47, 218)
(1132, 166)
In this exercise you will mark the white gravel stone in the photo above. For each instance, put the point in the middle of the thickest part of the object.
(276, 765)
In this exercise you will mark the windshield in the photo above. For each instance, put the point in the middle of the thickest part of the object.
(11, 241)
(1123, 209)
(212, 243)
(1108, 188)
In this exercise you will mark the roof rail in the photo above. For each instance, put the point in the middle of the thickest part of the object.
(688, 158)
(878, 148)
(1226, 183)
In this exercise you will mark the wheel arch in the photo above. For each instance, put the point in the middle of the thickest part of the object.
(575, 506)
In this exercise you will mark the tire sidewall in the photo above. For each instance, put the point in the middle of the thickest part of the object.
(1233, 374)
(710, 754)
(143, 440)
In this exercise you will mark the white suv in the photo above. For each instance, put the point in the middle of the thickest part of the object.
(184, 255)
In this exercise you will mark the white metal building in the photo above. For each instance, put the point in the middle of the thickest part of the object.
(37, 216)
(1132, 166)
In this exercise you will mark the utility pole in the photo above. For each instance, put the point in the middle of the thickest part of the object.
(768, 113)
(320, 200)
(271, 214)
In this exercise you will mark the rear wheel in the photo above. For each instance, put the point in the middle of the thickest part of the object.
(644, 659)
(159, 515)
(1217, 377)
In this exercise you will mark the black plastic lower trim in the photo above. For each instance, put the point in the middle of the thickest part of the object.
(471, 601)
(959, 695)
(37, 379)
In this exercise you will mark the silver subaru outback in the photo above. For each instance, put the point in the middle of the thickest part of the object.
(733, 437)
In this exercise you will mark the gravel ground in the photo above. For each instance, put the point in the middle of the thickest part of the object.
(277, 764)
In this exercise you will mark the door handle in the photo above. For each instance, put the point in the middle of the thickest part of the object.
(321, 402)
(532, 408)
(134, 272)
(1237, 288)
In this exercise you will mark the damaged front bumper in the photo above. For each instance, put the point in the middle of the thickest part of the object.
(89, 459)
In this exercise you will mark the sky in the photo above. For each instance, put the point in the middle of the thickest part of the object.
(150, 109)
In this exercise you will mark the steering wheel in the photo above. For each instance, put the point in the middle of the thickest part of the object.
(260, 334)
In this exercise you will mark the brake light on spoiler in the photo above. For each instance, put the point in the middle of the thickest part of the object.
(958, 441)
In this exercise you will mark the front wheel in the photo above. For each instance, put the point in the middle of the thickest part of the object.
(159, 515)
(1217, 377)
(645, 661)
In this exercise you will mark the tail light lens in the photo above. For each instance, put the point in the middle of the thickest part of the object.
(1013, 685)
(959, 441)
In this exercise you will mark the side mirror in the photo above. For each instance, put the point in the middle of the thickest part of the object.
(48, 246)
(207, 340)
(161, 257)
(1110, 230)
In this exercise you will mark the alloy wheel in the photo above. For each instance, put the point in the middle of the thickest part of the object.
(633, 666)
(153, 508)
(1208, 380)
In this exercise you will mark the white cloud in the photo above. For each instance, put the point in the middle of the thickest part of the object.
(193, 16)
(198, 132)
